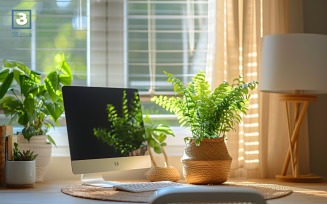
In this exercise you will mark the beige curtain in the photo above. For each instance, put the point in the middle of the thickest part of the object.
(279, 16)
(259, 145)
(237, 33)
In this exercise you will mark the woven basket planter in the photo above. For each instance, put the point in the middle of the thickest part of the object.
(208, 163)
(167, 173)
(163, 174)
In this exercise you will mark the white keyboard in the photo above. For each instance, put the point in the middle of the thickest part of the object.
(144, 186)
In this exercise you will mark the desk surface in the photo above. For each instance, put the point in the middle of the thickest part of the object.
(48, 192)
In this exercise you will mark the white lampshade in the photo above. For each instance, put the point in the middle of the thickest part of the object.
(294, 62)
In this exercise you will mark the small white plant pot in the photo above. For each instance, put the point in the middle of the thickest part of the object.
(38, 144)
(20, 173)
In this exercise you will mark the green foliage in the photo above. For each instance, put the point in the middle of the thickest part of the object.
(210, 114)
(156, 135)
(27, 155)
(127, 130)
(32, 102)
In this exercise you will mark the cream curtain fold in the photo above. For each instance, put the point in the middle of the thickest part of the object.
(279, 16)
(237, 34)
(259, 145)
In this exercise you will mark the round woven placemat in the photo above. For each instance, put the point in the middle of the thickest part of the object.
(269, 191)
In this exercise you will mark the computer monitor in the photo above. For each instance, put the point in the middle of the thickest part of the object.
(86, 109)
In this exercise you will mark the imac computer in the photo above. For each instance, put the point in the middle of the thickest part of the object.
(86, 109)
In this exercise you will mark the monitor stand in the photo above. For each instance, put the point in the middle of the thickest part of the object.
(96, 179)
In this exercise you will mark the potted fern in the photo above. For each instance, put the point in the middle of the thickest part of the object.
(129, 135)
(34, 102)
(210, 115)
(21, 170)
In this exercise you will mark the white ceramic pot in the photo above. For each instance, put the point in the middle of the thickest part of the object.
(20, 172)
(38, 144)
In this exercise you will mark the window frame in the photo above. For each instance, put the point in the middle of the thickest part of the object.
(113, 61)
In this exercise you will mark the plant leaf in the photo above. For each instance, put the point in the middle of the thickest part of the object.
(6, 76)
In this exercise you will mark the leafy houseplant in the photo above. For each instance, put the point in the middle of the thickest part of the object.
(128, 134)
(129, 124)
(21, 170)
(36, 103)
(156, 135)
(210, 115)
(32, 102)
(25, 155)
(135, 132)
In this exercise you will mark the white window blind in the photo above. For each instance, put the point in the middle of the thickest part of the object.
(122, 43)
(135, 41)
(111, 43)
(165, 35)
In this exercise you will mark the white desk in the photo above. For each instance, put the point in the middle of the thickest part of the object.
(48, 192)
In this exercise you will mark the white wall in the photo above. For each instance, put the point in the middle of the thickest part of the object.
(315, 21)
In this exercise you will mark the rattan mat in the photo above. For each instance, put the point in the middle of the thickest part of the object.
(269, 191)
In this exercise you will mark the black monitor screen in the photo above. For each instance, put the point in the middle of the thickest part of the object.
(85, 110)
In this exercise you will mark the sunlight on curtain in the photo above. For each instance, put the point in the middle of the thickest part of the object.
(237, 29)
(258, 146)
(279, 16)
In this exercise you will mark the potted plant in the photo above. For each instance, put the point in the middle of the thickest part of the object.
(137, 134)
(129, 124)
(36, 103)
(21, 170)
(156, 135)
(209, 115)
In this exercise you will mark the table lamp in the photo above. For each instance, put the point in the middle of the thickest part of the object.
(294, 65)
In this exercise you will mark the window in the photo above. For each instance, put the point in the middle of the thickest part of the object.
(165, 35)
(114, 43)
(55, 26)
(133, 42)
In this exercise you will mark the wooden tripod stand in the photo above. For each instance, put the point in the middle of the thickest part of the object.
(301, 103)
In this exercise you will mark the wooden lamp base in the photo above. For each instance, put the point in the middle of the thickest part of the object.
(301, 104)
(301, 179)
